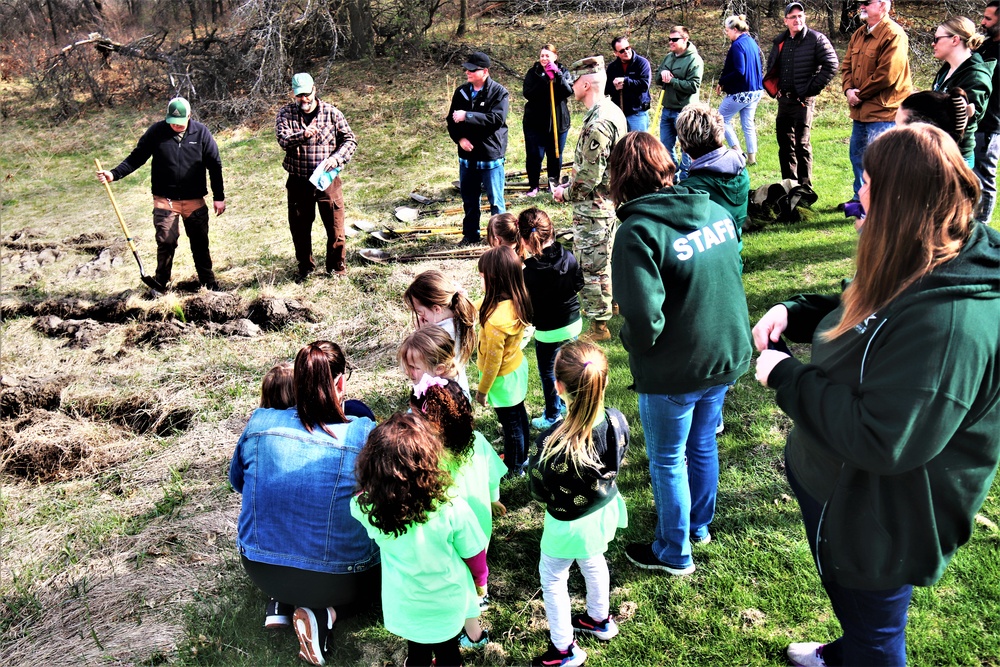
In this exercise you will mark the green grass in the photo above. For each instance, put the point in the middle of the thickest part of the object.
(167, 506)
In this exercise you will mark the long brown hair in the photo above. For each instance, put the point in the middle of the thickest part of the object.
(502, 230)
(639, 165)
(432, 344)
(399, 474)
(582, 369)
(922, 197)
(504, 278)
(448, 408)
(317, 367)
(430, 289)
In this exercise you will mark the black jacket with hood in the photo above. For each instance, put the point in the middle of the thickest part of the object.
(553, 280)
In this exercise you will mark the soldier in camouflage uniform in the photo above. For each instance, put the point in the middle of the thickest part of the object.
(593, 213)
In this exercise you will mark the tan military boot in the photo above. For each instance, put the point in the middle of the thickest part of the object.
(597, 333)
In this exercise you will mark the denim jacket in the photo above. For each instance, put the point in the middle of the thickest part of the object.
(297, 487)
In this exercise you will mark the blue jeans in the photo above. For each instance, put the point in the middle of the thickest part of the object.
(744, 104)
(987, 155)
(679, 426)
(514, 423)
(668, 136)
(638, 122)
(536, 146)
(863, 134)
(473, 183)
(545, 353)
(873, 622)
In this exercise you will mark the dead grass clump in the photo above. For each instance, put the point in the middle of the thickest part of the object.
(139, 414)
(213, 307)
(67, 307)
(11, 307)
(273, 313)
(45, 446)
(20, 396)
(156, 334)
(81, 333)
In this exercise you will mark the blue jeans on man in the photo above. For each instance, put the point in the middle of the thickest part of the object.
(987, 155)
(473, 181)
(668, 136)
(873, 622)
(683, 467)
(638, 122)
(863, 134)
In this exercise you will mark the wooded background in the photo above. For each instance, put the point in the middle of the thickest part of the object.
(233, 56)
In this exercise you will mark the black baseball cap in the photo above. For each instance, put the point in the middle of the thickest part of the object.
(478, 60)
(794, 5)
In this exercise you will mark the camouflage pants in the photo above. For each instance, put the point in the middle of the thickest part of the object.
(592, 240)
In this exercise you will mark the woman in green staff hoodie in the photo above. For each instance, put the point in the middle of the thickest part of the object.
(897, 417)
(675, 272)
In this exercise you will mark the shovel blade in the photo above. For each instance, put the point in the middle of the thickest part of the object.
(406, 214)
(375, 255)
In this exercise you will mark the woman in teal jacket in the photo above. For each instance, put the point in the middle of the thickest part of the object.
(897, 418)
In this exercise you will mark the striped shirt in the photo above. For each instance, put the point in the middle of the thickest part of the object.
(303, 154)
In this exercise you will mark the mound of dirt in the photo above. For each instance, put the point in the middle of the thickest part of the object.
(30, 260)
(106, 260)
(82, 333)
(11, 307)
(140, 414)
(213, 307)
(67, 307)
(21, 395)
(95, 242)
(241, 328)
(121, 307)
(156, 334)
(45, 446)
(273, 313)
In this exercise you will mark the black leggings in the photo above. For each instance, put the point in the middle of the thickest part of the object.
(316, 590)
(446, 652)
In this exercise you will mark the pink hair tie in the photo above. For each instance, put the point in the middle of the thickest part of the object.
(426, 382)
(587, 363)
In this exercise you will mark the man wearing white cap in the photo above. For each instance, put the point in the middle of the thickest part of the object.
(318, 142)
(182, 150)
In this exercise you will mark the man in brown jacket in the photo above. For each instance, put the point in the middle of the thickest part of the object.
(876, 71)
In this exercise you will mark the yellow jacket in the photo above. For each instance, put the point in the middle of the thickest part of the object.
(499, 351)
(878, 65)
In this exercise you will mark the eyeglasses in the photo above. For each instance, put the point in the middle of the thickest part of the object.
(937, 37)
(676, 39)
(622, 51)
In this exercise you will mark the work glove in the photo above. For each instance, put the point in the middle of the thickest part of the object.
(552, 69)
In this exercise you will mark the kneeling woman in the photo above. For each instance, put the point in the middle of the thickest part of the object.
(296, 536)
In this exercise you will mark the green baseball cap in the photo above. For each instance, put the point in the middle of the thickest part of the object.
(178, 111)
(302, 83)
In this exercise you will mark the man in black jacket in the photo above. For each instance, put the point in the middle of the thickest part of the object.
(477, 122)
(182, 150)
(805, 62)
(629, 76)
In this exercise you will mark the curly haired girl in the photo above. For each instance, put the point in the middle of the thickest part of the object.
(404, 505)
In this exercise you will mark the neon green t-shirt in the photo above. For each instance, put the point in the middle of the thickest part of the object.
(427, 589)
(478, 481)
(584, 537)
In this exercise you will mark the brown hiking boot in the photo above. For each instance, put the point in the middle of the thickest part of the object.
(597, 333)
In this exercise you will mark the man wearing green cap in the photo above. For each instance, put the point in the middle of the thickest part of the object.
(318, 142)
(182, 150)
(593, 212)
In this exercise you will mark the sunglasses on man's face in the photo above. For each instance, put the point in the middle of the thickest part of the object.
(622, 51)
(676, 39)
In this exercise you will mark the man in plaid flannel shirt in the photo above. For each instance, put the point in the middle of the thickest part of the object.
(314, 132)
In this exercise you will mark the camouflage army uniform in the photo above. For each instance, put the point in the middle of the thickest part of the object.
(593, 212)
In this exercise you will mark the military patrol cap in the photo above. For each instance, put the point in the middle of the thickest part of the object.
(584, 66)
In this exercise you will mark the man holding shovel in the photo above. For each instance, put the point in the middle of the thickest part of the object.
(318, 142)
(182, 150)
(593, 212)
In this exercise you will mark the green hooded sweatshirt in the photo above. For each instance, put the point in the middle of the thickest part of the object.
(975, 77)
(675, 272)
(688, 68)
(897, 422)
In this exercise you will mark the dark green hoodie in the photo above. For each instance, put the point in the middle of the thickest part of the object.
(975, 77)
(675, 273)
(897, 422)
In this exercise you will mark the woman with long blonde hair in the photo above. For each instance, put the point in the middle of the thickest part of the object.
(896, 431)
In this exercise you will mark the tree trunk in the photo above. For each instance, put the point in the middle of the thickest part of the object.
(193, 8)
(52, 22)
(362, 39)
(463, 17)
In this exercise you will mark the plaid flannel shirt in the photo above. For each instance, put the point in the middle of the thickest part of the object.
(333, 137)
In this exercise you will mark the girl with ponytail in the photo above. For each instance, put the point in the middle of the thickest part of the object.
(572, 470)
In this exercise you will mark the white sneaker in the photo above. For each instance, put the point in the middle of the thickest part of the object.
(806, 654)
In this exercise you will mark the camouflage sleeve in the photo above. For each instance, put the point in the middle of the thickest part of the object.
(591, 160)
